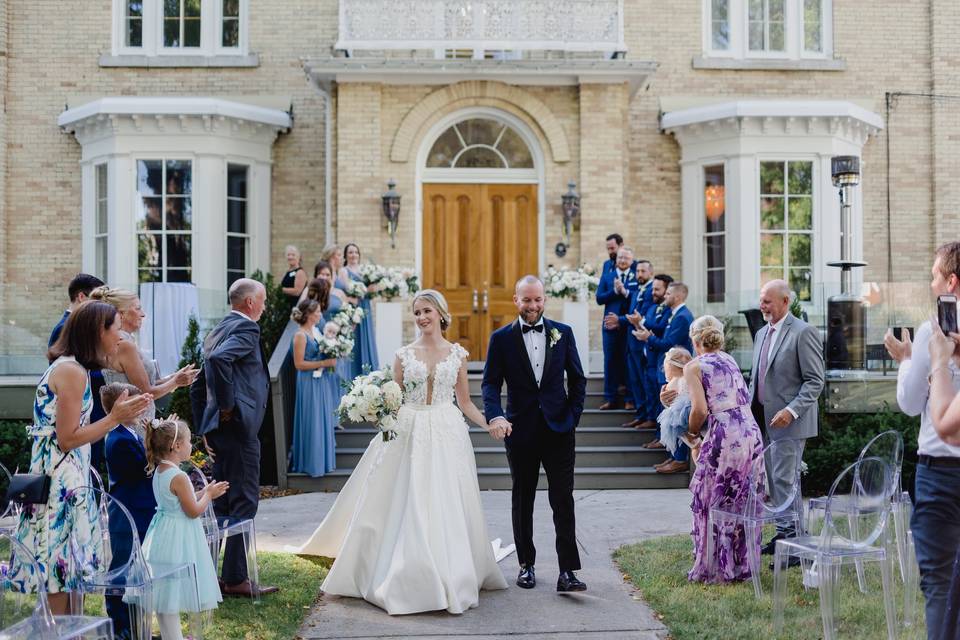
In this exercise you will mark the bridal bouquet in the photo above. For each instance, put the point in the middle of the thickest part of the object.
(333, 343)
(376, 398)
(355, 289)
(575, 284)
(392, 282)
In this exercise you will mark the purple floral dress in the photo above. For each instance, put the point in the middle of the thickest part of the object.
(731, 454)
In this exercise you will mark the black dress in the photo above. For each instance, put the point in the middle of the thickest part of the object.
(289, 279)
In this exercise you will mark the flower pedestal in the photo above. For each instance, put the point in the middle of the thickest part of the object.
(577, 315)
(387, 329)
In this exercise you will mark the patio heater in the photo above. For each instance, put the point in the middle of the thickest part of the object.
(846, 314)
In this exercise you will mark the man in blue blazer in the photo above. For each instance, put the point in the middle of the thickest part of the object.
(614, 242)
(676, 333)
(613, 293)
(229, 402)
(655, 321)
(640, 300)
(532, 355)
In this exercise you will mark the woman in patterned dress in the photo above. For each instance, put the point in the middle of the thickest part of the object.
(61, 429)
(731, 454)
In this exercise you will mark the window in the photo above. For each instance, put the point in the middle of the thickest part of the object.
(238, 230)
(479, 143)
(785, 29)
(786, 224)
(164, 220)
(714, 206)
(187, 27)
(101, 196)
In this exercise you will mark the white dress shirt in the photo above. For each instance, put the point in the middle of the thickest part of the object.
(913, 394)
(242, 314)
(536, 344)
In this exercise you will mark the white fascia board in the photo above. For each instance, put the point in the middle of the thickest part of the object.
(770, 109)
(175, 106)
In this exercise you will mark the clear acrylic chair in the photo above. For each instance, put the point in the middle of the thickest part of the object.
(131, 576)
(9, 510)
(853, 534)
(219, 529)
(25, 616)
(888, 446)
(759, 509)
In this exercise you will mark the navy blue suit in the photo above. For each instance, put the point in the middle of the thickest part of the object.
(640, 300)
(58, 328)
(614, 340)
(234, 379)
(544, 418)
(676, 333)
(655, 320)
(129, 485)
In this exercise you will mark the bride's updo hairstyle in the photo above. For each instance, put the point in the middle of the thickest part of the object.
(707, 331)
(437, 301)
(121, 299)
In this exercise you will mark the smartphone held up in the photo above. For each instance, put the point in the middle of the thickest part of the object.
(947, 313)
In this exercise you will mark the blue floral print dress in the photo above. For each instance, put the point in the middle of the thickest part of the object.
(48, 531)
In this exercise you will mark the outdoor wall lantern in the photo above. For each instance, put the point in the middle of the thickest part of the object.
(570, 205)
(391, 210)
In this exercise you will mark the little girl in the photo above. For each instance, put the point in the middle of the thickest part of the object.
(176, 535)
(673, 420)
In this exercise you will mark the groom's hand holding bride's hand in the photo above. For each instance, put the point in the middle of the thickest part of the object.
(499, 428)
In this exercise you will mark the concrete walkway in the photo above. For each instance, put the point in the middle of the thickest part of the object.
(605, 521)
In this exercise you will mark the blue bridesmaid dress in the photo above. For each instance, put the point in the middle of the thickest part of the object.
(344, 365)
(364, 348)
(314, 418)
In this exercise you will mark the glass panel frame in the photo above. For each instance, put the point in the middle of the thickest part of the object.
(787, 241)
(164, 219)
(101, 225)
(715, 235)
(480, 143)
(237, 258)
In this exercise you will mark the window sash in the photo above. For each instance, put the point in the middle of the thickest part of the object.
(798, 39)
(101, 244)
(238, 193)
(160, 242)
(219, 29)
(798, 274)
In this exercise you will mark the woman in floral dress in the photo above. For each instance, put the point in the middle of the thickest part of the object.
(730, 456)
(61, 435)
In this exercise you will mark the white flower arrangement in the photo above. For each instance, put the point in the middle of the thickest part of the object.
(573, 284)
(392, 282)
(355, 289)
(372, 273)
(333, 343)
(374, 397)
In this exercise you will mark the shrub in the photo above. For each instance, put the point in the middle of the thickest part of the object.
(275, 315)
(192, 351)
(14, 445)
(841, 438)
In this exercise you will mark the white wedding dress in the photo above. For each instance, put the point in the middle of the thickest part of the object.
(407, 531)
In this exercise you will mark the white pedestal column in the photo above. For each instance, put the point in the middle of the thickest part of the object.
(577, 315)
(388, 329)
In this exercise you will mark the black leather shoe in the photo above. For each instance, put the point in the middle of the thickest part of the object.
(793, 561)
(527, 578)
(770, 547)
(568, 581)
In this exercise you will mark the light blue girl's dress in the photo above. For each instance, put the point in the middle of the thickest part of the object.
(674, 420)
(174, 538)
(344, 366)
(364, 347)
(314, 418)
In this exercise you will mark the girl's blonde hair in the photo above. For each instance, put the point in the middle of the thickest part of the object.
(119, 299)
(162, 435)
(437, 301)
(677, 356)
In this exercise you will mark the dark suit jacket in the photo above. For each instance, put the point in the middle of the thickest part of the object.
(676, 334)
(58, 328)
(128, 479)
(507, 361)
(234, 377)
(612, 301)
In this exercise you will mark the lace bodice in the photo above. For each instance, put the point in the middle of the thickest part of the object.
(419, 387)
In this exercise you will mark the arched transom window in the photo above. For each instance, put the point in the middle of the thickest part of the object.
(480, 143)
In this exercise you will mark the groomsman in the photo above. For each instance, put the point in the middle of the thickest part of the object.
(641, 299)
(676, 333)
(614, 242)
(655, 320)
(614, 292)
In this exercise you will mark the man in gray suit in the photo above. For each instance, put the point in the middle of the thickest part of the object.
(786, 380)
(229, 402)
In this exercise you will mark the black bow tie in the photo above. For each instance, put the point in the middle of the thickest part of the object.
(527, 327)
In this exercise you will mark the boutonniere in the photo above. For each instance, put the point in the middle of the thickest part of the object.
(555, 336)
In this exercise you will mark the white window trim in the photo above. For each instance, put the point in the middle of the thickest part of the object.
(793, 33)
(97, 235)
(211, 32)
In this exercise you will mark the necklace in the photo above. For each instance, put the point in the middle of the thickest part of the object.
(172, 464)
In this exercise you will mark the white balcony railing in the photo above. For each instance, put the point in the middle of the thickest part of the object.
(497, 25)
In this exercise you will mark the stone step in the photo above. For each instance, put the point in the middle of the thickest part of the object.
(498, 478)
(587, 457)
(356, 436)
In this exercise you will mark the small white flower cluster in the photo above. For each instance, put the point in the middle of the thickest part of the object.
(376, 398)
(574, 284)
(333, 343)
(392, 282)
(355, 289)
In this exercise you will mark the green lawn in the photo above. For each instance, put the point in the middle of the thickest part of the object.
(278, 616)
(658, 569)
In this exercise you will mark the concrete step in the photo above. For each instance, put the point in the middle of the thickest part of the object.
(587, 457)
(356, 436)
(498, 478)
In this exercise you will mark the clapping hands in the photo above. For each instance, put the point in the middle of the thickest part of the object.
(499, 428)
(610, 321)
(185, 376)
(217, 489)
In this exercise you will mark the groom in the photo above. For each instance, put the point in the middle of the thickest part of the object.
(531, 355)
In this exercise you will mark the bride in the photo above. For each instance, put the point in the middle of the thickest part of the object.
(407, 531)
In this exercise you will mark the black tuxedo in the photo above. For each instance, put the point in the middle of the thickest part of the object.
(544, 418)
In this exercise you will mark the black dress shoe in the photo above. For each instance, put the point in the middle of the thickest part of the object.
(770, 547)
(527, 578)
(792, 561)
(569, 582)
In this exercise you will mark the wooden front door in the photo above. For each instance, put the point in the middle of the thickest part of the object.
(478, 240)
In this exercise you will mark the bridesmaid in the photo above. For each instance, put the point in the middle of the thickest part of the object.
(365, 349)
(314, 450)
(337, 298)
(295, 279)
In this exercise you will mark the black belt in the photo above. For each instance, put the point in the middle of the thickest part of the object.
(934, 461)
